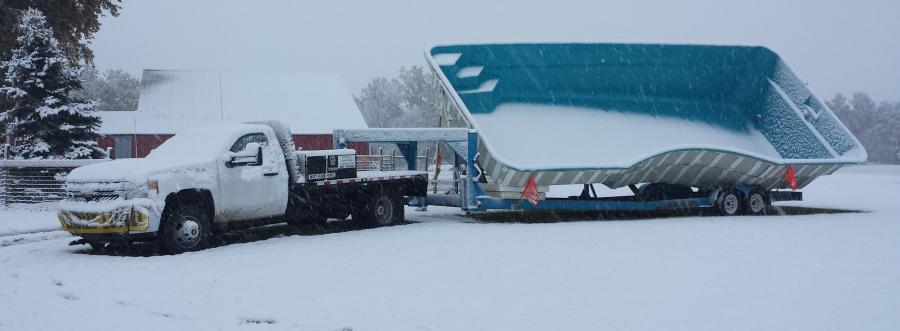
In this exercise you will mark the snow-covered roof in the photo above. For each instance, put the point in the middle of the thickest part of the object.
(172, 100)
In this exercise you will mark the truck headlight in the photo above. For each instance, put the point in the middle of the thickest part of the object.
(135, 191)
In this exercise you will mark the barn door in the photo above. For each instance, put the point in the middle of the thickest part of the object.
(123, 147)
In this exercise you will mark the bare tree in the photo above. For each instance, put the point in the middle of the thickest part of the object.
(876, 125)
(409, 100)
(114, 90)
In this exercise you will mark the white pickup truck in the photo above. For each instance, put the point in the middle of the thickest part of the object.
(220, 177)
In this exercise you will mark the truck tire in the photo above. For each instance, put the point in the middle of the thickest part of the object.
(380, 209)
(97, 246)
(184, 228)
(729, 202)
(756, 202)
(400, 209)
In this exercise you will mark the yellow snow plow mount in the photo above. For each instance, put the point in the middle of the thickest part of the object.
(120, 220)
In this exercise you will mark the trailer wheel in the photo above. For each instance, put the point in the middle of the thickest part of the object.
(185, 228)
(379, 210)
(756, 202)
(729, 202)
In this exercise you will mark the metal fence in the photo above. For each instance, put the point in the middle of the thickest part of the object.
(447, 182)
(391, 162)
(35, 181)
(375, 163)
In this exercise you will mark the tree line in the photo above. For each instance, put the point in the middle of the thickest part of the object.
(875, 124)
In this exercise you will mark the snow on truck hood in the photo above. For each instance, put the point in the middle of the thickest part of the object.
(131, 170)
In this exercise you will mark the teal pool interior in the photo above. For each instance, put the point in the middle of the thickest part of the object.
(735, 88)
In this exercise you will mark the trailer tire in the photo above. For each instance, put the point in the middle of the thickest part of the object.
(184, 228)
(729, 202)
(380, 209)
(756, 202)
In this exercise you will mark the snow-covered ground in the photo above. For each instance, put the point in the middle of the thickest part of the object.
(447, 272)
(22, 218)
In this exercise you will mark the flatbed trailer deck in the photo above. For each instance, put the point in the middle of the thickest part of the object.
(624, 203)
(315, 202)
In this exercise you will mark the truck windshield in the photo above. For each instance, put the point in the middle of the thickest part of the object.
(195, 144)
(242, 142)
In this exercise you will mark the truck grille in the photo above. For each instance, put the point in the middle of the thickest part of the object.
(80, 197)
(95, 191)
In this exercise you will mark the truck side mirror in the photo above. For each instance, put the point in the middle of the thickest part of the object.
(251, 155)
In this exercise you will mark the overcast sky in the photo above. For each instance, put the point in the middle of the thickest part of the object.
(836, 46)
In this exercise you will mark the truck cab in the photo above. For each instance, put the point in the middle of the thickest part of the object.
(254, 174)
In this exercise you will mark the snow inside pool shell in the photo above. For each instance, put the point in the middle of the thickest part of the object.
(619, 114)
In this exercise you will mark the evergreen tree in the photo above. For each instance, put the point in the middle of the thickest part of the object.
(74, 23)
(45, 120)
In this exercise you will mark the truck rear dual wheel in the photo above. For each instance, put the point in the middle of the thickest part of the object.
(184, 228)
(381, 209)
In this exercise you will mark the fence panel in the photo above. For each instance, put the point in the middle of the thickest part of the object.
(35, 181)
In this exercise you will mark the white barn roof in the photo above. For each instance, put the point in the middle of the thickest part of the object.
(171, 101)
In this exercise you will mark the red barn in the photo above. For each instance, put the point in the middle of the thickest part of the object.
(170, 101)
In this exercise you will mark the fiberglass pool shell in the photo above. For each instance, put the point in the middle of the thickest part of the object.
(619, 114)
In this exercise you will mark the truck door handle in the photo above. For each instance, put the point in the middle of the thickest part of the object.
(270, 174)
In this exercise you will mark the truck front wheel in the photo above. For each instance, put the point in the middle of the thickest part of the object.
(185, 228)
(97, 246)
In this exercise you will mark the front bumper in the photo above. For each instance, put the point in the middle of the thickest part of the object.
(135, 216)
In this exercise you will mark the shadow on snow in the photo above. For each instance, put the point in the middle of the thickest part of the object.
(550, 216)
(253, 234)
